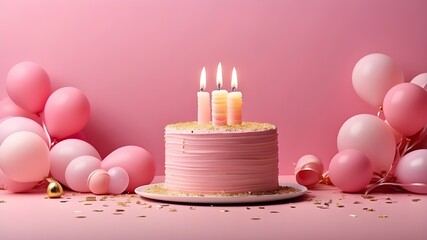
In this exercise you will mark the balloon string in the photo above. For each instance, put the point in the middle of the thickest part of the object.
(393, 184)
(380, 110)
(52, 142)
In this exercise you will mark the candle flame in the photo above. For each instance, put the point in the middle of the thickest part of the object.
(234, 79)
(219, 76)
(203, 79)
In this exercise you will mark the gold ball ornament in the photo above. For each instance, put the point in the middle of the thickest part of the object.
(54, 189)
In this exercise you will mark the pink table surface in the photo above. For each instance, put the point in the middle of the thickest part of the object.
(348, 216)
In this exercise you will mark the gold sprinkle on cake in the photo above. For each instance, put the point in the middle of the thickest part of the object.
(194, 127)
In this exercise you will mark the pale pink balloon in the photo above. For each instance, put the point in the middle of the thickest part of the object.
(78, 171)
(9, 109)
(373, 75)
(350, 170)
(99, 182)
(17, 124)
(24, 157)
(412, 168)
(64, 152)
(13, 186)
(119, 180)
(371, 136)
(405, 108)
(420, 80)
(308, 170)
(138, 163)
(66, 112)
(28, 85)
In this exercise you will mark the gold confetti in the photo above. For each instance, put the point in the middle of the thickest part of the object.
(138, 202)
(80, 216)
(224, 210)
(416, 200)
(98, 210)
(369, 209)
(293, 206)
(255, 218)
(317, 202)
(357, 202)
(117, 213)
(103, 198)
(382, 216)
(141, 216)
(88, 204)
(339, 205)
(353, 215)
(90, 199)
(274, 212)
(248, 208)
(261, 207)
(2, 201)
(120, 210)
(323, 207)
(105, 205)
(173, 210)
(63, 201)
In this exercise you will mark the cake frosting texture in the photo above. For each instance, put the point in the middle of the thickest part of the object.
(229, 159)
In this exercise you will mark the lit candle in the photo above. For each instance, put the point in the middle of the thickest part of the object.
(219, 101)
(203, 101)
(234, 102)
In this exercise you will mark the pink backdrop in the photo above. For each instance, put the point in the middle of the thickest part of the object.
(139, 62)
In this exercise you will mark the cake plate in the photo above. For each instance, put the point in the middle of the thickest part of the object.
(298, 190)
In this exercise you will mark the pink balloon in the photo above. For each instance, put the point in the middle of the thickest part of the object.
(9, 109)
(24, 157)
(350, 170)
(412, 168)
(138, 163)
(28, 85)
(119, 180)
(13, 186)
(78, 171)
(373, 76)
(371, 136)
(420, 80)
(17, 124)
(405, 108)
(64, 152)
(309, 170)
(66, 112)
(99, 182)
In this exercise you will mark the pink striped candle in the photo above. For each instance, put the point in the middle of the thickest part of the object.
(203, 101)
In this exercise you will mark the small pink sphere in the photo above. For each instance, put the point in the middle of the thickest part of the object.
(119, 180)
(350, 170)
(99, 181)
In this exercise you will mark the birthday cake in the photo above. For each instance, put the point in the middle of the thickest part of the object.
(203, 158)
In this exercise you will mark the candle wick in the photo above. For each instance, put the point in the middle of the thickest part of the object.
(219, 86)
(201, 89)
(233, 89)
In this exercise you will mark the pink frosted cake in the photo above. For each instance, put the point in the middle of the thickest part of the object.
(228, 159)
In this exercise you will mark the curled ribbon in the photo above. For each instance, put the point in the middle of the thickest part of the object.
(309, 174)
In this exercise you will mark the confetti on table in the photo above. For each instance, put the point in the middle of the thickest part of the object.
(120, 210)
(192, 208)
(141, 216)
(173, 210)
(90, 199)
(98, 210)
(2, 201)
(416, 200)
(339, 205)
(353, 215)
(248, 208)
(357, 202)
(274, 212)
(369, 209)
(255, 218)
(261, 207)
(63, 201)
(80, 216)
(293, 206)
(382, 216)
(224, 210)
